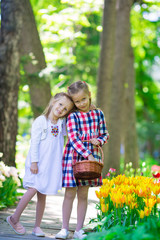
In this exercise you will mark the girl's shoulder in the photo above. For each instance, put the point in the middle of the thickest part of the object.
(72, 114)
(97, 110)
(40, 120)
(99, 113)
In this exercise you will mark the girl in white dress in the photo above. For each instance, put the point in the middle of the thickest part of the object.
(43, 168)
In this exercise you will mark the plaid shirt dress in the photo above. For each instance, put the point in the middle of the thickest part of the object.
(83, 126)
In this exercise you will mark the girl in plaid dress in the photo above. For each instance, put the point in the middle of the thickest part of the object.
(83, 124)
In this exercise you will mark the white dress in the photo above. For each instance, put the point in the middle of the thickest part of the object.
(50, 150)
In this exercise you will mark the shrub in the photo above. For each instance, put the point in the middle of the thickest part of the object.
(9, 182)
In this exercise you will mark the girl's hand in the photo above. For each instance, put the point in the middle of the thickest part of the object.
(34, 168)
(91, 158)
(94, 141)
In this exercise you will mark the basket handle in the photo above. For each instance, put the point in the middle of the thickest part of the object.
(102, 154)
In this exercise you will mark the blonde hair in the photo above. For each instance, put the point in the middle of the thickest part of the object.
(53, 100)
(78, 86)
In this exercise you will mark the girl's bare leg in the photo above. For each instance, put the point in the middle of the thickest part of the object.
(22, 204)
(41, 202)
(82, 195)
(70, 194)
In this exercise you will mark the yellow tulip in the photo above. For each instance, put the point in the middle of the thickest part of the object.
(141, 214)
(147, 211)
(104, 207)
(98, 194)
(156, 188)
(149, 202)
(105, 192)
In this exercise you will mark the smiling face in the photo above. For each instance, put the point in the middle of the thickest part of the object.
(60, 108)
(82, 100)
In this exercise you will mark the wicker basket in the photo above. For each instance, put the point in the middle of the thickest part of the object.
(87, 169)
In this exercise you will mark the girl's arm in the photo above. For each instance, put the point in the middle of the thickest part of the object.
(103, 132)
(72, 127)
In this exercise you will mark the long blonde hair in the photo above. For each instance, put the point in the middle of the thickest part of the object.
(53, 100)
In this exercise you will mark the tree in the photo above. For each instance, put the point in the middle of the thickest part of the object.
(31, 48)
(117, 72)
(17, 41)
(11, 26)
(106, 62)
(129, 139)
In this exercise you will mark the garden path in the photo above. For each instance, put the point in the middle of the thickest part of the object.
(52, 219)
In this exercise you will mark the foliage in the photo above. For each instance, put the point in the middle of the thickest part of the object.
(70, 33)
(143, 170)
(9, 182)
(25, 115)
(145, 27)
(70, 36)
(149, 230)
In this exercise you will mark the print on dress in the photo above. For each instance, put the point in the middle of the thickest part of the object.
(54, 131)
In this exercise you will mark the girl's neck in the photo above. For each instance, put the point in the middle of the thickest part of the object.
(83, 111)
(52, 119)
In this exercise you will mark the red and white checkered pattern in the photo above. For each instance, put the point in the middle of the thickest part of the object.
(83, 126)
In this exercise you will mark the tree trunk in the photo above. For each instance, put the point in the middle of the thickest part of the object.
(106, 65)
(130, 136)
(118, 84)
(11, 24)
(40, 91)
(106, 57)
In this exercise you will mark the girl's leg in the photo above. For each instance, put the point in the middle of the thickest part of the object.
(82, 195)
(41, 202)
(22, 204)
(70, 194)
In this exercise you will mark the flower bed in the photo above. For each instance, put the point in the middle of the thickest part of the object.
(128, 208)
(9, 182)
(128, 200)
